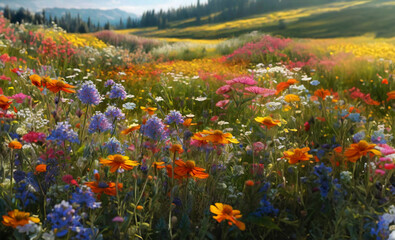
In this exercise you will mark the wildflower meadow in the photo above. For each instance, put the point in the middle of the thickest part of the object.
(109, 136)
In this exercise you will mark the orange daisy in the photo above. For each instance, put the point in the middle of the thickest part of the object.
(18, 218)
(297, 154)
(226, 212)
(189, 169)
(176, 148)
(15, 145)
(158, 165)
(322, 93)
(118, 161)
(131, 128)
(268, 121)
(391, 95)
(41, 168)
(103, 187)
(362, 148)
(58, 85)
(188, 122)
(215, 137)
(5, 102)
(149, 110)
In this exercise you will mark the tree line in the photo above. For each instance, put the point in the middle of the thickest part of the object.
(67, 22)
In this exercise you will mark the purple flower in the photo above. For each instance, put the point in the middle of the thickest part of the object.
(117, 91)
(114, 146)
(63, 132)
(88, 94)
(174, 117)
(99, 123)
(85, 196)
(113, 113)
(63, 217)
(154, 129)
(109, 82)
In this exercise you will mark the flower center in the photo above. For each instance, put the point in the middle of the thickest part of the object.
(60, 84)
(363, 145)
(190, 164)
(217, 132)
(118, 159)
(227, 210)
(102, 185)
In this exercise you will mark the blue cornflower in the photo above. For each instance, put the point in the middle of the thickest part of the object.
(359, 136)
(88, 94)
(315, 82)
(117, 91)
(154, 129)
(321, 171)
(266, 207)
(63, 132)
(382, 230)
(129, 106)
(355, 117)
(174, 117)
(109, 82)
(85, 196)
(378, 137)
(99, 123)
(113, 146)
(113, 113)
(63, 217)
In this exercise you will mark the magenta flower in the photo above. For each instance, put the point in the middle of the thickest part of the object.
(20, 97)
(222, 104)
(224, 89)
(242, 80)
(265, 92)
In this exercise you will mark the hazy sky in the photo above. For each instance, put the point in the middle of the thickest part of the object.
(134, 6)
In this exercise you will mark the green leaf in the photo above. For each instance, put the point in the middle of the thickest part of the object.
(266, 222)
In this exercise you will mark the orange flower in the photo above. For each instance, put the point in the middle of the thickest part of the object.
(284, 85)
(41, 168)
(391, 95)
(15, 145)
(118, 161)
(58, 85)
(188, 122)
(4, 102)
(357, 150)
(104, 187)
(176, 148)
(36, 81)
(226, 212)
(268, 121)
(188, 168)
(385, 81)
(215, 136)
(149, 110)
(297, 154)
(322, 93)
(18, 218)
(291, 98)
(130, 129)
(158, 165)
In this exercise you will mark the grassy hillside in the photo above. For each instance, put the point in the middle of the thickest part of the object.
(340, 19)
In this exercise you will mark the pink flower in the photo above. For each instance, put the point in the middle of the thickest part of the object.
(214, 118)
(223, 89)
(265, 92)
(386, 150)
(258, 147)
(20, 97)
(5, 78)
(389, 166)
(33, 137)
(379, 171)
(222, 104)
(242, 80)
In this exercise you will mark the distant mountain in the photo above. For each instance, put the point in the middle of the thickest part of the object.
(96, 15)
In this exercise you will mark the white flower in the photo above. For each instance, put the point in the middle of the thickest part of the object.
(49, 236)
(272, 106)
(201, 99)
(31, 227)
(305, 78)
(129, 106)
(159, 99)
(223, 123)
(190, 115)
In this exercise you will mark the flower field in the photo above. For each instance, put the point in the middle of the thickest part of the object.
(270, 138)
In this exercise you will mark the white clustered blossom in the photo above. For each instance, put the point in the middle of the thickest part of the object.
(201, 99)
(31, 227)
(32, 120)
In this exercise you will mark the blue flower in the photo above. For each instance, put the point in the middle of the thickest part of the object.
(174, 117)
(321, 171)
(154, 129)
(129, 106)
(63, 217)
(109, 82)
(113, 146)
(314, 82)
(88, 94)
(84, 196)
(359, 136)
(382, 230)
(63, 132)
(99, 123)
(113, 113)
(378, 137)
(355, 117)
(117, 91)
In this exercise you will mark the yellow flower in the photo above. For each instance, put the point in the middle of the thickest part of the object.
(268, 121)
(291, 98)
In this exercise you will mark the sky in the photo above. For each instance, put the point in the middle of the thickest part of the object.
(133, 6)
